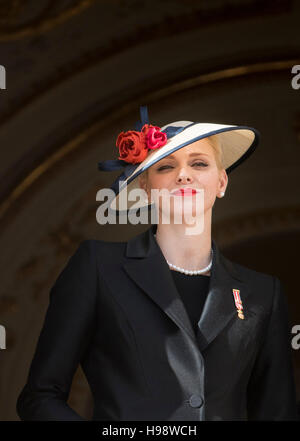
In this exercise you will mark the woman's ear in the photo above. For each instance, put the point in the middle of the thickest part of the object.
(223, 181)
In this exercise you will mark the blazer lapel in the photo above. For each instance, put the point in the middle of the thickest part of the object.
(143, 251)
(219, 307)
(147, 266)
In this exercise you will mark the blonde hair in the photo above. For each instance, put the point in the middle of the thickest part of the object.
(216, 145)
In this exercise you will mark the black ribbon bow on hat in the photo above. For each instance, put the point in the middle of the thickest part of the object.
(117, 164)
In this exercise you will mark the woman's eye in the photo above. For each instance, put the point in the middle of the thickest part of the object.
(163, 167)
(169, 166)
(200, 163)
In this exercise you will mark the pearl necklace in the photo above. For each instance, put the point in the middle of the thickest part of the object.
(191, 272)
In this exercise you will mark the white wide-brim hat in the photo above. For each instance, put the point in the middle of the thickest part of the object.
(237, 142)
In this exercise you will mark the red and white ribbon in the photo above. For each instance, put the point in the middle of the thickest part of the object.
(238, 302)
(237, 299)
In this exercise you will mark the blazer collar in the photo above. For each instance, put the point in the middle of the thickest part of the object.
(147, 266)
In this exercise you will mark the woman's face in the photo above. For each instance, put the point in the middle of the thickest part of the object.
(193, 166)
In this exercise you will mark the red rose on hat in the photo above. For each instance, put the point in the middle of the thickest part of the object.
(154, 137)
(133, 145)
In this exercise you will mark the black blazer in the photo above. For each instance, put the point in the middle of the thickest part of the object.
(116, 310)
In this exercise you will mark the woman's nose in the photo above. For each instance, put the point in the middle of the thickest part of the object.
(183, 177)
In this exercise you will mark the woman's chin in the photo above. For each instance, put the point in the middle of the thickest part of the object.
(187, 215)
(181, 210)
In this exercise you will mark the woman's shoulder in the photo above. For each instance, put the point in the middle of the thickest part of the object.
(88, 254)
(93, 248)
(249, 273)
(101, 243)
(243, 272)
(266, 289)
(258, 281)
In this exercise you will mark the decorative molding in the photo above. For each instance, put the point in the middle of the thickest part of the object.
(39, 19)
(275, 220)
(168, 26)
(47, 14)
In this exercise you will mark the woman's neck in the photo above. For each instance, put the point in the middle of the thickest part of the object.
(191, 252)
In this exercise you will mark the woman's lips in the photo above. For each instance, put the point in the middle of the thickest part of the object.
(184, 192)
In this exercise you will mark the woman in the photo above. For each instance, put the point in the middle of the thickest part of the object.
(164, 326)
